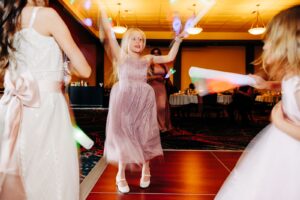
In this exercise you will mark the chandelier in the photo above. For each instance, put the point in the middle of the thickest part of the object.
(258, 26)
(119, 28)
(193, 30)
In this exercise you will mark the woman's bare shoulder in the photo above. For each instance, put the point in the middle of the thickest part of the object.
(47, 12)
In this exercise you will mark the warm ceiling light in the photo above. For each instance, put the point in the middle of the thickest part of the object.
(194, 30)
(258, 26)
(190, 29)
(257, 31)
(118, 28)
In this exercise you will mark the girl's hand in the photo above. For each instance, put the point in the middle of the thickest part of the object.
(276, 114)
(260, 83)
(282, 122)
(182, 35)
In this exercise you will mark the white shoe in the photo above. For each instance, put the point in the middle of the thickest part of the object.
(122, 189)
(144, 184)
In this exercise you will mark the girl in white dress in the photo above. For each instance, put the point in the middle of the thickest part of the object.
(38, 155)
(269, 167)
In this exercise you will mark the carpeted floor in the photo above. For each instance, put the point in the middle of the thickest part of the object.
(193, 132)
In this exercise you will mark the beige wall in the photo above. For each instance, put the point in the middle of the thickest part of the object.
(225, 58)
(108, 64)
(107, 70)
(90, 53)
(258, 52)
(1, 81)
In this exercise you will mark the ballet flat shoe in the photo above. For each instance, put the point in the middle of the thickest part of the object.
(144, 184)
(122, 189)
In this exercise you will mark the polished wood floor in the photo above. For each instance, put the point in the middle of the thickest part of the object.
(182, 175)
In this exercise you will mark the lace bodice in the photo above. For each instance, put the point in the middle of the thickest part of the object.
(132, 69)
(38, 53)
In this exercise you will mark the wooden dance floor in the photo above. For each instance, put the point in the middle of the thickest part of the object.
(181, 175)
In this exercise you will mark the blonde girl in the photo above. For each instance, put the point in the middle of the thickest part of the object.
(132, 133)
(269, 167)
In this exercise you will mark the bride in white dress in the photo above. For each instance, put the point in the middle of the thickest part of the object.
(38, 155)
(269, 167)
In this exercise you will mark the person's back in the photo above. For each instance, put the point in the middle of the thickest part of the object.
(41, 41)
(36, 120)
(39, 53)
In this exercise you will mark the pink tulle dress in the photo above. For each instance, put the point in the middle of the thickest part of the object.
(132, 133)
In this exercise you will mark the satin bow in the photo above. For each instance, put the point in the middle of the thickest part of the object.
(22, 92)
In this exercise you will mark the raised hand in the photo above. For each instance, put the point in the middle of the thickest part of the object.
(260, 83)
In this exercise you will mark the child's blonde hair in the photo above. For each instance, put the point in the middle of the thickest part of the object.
(283, 36)
(126, 38)
(124, 50)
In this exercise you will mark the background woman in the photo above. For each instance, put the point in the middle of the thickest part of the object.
(156, 78)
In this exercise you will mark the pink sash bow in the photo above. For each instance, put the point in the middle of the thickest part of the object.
(22, 92)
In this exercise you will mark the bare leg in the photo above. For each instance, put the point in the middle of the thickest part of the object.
(121, 174)
(12, 188)
(121, 179)
(145, 179)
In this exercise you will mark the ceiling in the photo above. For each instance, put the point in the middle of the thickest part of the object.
(227, 18)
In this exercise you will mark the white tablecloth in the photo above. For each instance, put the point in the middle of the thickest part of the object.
(182, 99)
(268, 98)
(224, 99)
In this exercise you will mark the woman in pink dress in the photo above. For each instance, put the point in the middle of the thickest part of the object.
(156, 78)
(38, 154)
(132, 133)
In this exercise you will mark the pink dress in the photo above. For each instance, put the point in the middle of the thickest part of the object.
(162, 100)
(132, 134)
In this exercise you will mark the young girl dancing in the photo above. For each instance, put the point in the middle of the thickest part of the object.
(38, 155)
(269, 167)
(132, 133)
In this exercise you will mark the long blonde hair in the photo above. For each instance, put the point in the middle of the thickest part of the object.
(124, 50)
(283, 36)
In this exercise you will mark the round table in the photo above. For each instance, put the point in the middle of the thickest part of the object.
(224, 99)
(182, 99)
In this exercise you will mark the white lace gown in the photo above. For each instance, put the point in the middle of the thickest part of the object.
(46, 150)
(269, 169)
